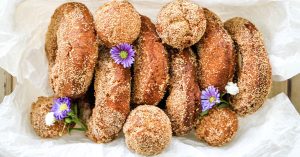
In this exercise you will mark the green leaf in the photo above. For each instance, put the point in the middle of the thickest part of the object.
(223, 95)
(71, 113)
(69, 130)
(78, 129)
(224, 101)
(68, 120)
(204, 113)
(75, 109)
(82, 125)
(73, 118)
(223, 105)
(78, 121)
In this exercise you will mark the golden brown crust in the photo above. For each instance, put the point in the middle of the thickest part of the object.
(254, 75)
(147, 130)
(150, 67)
(71, 49)
(112, 97)
(117, 22)
(218, 127)
(181, 24)
(51, 35)
(216, 54)
(39, 109)
(183, 102)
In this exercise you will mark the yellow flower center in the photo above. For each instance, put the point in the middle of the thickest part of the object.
(123, 54)
(63, 107)
(212, 99)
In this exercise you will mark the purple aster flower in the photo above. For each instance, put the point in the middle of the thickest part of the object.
(61, 107)
(123, 54)
(209, 97)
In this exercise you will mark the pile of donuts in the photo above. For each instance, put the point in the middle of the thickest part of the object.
(186, 51)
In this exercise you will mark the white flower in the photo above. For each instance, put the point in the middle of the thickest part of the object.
(49, 118)
(232, 88)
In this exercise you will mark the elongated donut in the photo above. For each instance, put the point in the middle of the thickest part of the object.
(151, 71)
(71, 49)
(183, 102)
(254, 75)
(216, 54)
(112, 99)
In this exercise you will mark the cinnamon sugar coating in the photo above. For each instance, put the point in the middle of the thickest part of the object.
(147, 130)
(71, 50)
(218, 127)
(181, 23)
(39, 109)
(216, 54)
(151, 71)
(254, 74)
(183, 102)
(117, 22)
(112, 99)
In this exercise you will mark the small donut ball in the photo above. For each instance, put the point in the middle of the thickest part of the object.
(117, 22)
(218, 127)
(181, 24)
(147, 130)
(38, 113)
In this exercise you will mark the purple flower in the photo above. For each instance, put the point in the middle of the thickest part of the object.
(61, 107)
(123, 54)
(209, 97)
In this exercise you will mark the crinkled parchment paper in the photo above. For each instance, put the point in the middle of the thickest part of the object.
(272, 131)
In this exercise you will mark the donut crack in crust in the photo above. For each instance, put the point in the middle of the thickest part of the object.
(181, 24)
(39, 109)
(216, 54)
(182, 104)
(218, 127)
(147, 130)
(112, 97)
(150, 67)
(71, 49)
(117, 22)
(254, 75)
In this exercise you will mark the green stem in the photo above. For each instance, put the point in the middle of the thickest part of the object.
(203, 113)
(224, 101)
(78, 129)
(222, 95)
(72, 116)
(62, 131)
(78, 121)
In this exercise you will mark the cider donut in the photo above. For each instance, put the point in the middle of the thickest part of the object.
(181, 24)
(151, 71)
(183, 102)
(112, 99)
(71, 50)
(117, 22)
(254, 75)
(216, 54)
(147, 130)
(39, 109)
(218, 127)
